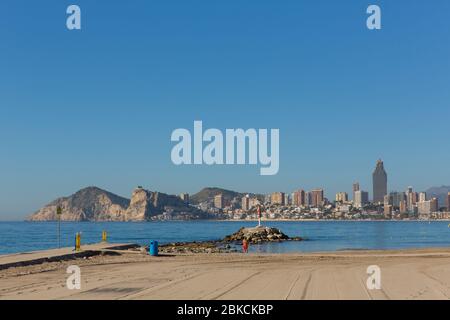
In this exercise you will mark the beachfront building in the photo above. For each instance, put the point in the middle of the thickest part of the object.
(427, 207)
(411, 199)
(299, 198)
(278, 198)
(396, 198)
(361, 198)
(355, 188)
(246, 203)
(379, 179)
(402, 207)
(287, 199)
(388, 209)
(307, 199)
(342, 197)
(316, 198)
(387, 200)
(422, 196)
(448, 202)
(218, 201)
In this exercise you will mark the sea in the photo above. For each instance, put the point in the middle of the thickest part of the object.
(319, 236)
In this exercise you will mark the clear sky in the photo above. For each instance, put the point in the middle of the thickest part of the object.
(97, 106)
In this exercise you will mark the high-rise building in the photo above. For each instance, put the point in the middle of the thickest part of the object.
(361, 198)
(316, 198)
(307, 199)
(387, 211)
(277, 198)
(422, 196)
(354, 189)
(387, 200)
(434, 205)
(427, 207)
(246, 203)
(287, 199)
(185, 198)
(379, 179)
(396, 198)
(218, 201)
(411, 199)
(299, 198)
(448, 202)
(341, 197)
(402, 206)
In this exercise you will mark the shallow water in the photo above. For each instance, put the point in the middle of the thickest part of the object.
(320, 235)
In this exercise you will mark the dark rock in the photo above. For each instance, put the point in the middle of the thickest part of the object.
(259, 234)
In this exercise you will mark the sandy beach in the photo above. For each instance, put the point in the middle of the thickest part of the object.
(405, 274)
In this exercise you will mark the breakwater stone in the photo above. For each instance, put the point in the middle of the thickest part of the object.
(259, 234)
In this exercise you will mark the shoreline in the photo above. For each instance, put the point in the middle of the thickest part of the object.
(120, 247)
(233, 220)
(405, 274)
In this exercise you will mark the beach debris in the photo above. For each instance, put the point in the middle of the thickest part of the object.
(208, 247)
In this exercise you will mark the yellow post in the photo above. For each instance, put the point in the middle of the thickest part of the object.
(104, 236)
(78, 242)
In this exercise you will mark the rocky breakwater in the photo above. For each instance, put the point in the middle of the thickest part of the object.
(230, 243)
(259, 234)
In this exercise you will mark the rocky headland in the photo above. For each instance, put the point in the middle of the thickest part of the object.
(95, 204)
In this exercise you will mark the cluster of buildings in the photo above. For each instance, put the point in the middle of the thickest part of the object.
(302, 204)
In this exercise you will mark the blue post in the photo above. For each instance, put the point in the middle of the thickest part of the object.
(154, 248)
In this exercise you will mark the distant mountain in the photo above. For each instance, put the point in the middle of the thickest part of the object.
(88, 204)
(146, 205)
(440, 193)
(95, 204)
(208, 194)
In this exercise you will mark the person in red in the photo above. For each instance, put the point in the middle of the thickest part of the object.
(245, 246)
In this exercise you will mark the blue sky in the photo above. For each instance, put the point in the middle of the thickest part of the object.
(97, 106)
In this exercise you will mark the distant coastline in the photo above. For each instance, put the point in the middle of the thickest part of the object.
(95, 204)
(243, 220)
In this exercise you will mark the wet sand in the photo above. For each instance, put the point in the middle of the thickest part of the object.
(405, 274)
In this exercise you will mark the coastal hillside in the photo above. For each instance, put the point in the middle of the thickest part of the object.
(88, 204)
(208, 194)
(95, 204)
(147, 205)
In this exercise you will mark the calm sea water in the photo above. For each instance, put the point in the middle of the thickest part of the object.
(320, 235)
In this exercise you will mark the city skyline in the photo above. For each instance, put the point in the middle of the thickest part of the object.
(316, 197)
(98, 106)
